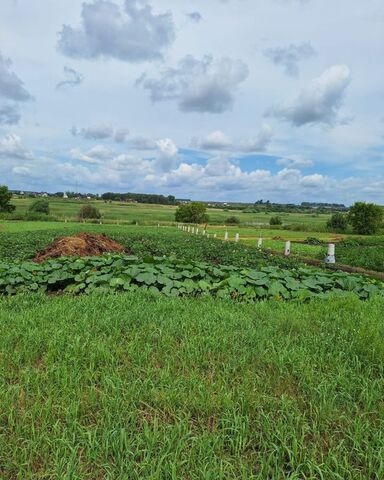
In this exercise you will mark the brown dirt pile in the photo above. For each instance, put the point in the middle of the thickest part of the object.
(81, 245)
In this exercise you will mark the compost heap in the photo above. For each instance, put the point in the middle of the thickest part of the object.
(81, 245)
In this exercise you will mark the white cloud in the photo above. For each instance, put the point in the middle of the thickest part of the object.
(320, 102)
(219, 141)
(131, 33)
(11, 147)
(202, 86)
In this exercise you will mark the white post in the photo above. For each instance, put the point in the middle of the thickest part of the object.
(237, 238)
(330, 258)
(208, 235)
(287, 250)
(215, 235)
(225, 236)
(260, 243)
(197, 231)
(66, 220)
(204, 232)
(101, 222)
(193, 230)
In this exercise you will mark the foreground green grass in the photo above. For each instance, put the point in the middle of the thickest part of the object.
(143, 387)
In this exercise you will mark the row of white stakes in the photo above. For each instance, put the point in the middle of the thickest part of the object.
(330, 258)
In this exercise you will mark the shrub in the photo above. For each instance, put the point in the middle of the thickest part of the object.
(275, 221)
(40, 206)
(232, 221)
(5, 198)
(89, 211)
(338, 223)
(366, 218)
(194, 212)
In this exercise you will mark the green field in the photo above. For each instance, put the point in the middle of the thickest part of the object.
(122, 380)
(134, 387)
(144, 213)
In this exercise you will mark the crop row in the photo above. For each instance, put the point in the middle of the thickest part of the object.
(173, 277)
(143, 241)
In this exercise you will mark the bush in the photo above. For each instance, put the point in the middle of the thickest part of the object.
(366, 218)
(40, 206)
(232, 221)
(337, 223)
(194, 212)
(5, 198)
(89, 211)
(275, 221)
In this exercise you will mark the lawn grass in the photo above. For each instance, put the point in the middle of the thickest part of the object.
(141, 387)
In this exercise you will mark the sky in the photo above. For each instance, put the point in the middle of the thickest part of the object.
(231, 100)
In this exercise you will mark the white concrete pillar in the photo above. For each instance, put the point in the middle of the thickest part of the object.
(287, 249)
(330, 258)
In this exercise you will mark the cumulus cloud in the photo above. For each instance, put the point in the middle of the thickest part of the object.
(167, 154)
(11, 147)
(220, 142)
(101, 132)
(12, 93)
(289, 57)
(320, 102)
(200, 86)
(165, 159)
(195, 17)
(73, 78)
(130, 32)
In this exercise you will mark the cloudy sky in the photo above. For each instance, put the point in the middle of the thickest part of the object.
(212, 100)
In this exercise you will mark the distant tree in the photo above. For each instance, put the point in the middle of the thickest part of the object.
(89, 211)
(5, 198)
(232, 221)
(40, 206)
(338, 222)
(275, 221)
(194, 212)
(366, 218)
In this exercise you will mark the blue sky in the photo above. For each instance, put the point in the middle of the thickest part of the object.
(219, 100)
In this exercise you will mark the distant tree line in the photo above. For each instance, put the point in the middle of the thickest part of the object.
(140, 198)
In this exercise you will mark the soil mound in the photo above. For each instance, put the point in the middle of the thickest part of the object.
(81, 245)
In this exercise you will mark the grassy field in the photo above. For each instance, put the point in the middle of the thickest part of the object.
(135, 386)
(145, 213)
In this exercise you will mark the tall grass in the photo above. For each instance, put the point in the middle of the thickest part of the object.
(141, 387)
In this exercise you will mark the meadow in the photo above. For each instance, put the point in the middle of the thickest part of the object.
(189, 357)
(152, 214)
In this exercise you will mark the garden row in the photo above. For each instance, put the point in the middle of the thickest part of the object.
(142, 241)
(174, 277)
